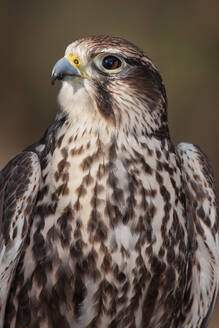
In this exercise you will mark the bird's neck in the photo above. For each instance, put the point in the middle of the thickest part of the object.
(87, 119)
(90, 137)
(87, 129)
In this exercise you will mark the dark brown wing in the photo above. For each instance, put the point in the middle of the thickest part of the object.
(202, 219)
(19, 184)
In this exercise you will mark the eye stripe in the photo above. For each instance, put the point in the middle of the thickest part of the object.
(132, 62)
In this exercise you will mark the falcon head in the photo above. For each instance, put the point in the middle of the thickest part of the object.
(108, 81)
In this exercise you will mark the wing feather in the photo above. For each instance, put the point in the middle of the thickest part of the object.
(19, 184)
(202, 216)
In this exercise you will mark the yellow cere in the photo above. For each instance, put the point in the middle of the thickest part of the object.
(76, 62)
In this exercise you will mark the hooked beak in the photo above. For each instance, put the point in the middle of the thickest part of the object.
(63, 68)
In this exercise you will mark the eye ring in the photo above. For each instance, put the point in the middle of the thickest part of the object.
(109, 63)
(76, 61)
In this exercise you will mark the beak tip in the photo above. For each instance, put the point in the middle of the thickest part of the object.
(52, 79)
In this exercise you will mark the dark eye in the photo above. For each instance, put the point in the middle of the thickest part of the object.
(111, 62)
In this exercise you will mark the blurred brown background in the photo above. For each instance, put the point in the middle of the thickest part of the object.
(182, 37)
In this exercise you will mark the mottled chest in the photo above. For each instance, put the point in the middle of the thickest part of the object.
(108, 195)
(106, 221)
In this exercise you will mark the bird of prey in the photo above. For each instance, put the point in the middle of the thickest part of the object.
(104, 223)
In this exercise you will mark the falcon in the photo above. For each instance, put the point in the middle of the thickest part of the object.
(104, 223)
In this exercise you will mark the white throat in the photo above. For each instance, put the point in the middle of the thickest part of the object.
(84, 117)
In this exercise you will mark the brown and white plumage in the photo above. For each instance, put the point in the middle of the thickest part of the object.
(202, 211)
(121, 228)
(19, 185)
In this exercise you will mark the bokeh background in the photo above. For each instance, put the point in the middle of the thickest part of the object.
(182, 37)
